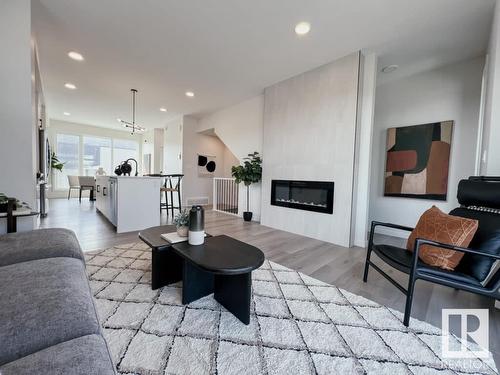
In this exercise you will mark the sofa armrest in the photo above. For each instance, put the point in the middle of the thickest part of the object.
(39, 244)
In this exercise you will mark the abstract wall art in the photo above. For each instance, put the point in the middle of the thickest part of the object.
(418, 159)
(206, 165)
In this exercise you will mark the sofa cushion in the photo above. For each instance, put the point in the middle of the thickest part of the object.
(44, 302)
(437, 226)
(38, 244)
(83, 355)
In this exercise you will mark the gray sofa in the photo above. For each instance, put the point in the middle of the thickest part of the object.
(48, 320)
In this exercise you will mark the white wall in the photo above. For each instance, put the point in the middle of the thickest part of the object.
(240, 127)
(194, 144)
(448, 93)
(153, 143)
(17, 120)
(172, 147)
(158, 140)
(148, 147)
(309, 134)
(490, 158)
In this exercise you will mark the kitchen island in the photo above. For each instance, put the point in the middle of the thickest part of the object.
(130, 203)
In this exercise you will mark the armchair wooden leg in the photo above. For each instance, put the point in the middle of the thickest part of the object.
(80, 198)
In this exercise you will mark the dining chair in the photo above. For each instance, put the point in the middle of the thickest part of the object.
(87, 183)
(172, 185)
(74, 183)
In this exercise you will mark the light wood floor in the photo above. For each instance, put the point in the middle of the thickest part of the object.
(333, 264)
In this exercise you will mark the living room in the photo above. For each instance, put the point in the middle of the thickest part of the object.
(250, 187)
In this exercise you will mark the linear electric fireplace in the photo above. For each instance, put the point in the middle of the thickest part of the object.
(314, 196)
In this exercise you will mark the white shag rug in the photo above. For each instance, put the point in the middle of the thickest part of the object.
(299, 325)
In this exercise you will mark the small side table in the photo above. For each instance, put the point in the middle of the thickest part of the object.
(12, 215)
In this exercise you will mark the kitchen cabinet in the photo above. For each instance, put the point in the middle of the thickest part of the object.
(130, 203)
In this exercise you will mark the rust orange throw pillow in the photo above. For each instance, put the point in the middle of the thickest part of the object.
(437, 226)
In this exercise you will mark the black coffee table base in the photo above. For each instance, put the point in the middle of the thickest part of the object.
(234, 293)
(166, 267)
(231, 291)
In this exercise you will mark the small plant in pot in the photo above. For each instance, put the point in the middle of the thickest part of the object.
(248, 173)
(181, 221)
(4, 202)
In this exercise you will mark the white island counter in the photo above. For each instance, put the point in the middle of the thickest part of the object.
(129, 203)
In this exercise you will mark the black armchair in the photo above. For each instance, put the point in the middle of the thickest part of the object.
(480, 199)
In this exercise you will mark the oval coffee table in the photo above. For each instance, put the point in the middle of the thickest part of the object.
(223, 266)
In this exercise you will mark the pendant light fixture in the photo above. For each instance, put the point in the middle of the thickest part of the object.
(132, 125)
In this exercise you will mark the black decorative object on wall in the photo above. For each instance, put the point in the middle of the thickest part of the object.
(206, 165)
(314, 196)
(202, 160)
(211, 166)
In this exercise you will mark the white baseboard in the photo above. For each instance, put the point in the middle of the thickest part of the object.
(361, 243)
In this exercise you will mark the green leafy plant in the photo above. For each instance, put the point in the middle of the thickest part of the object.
(249, 172)
(5, 199)
(182, 218)
(55, 163)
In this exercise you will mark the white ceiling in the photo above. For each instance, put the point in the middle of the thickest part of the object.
(229, 50)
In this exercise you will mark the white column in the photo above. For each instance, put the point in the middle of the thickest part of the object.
(17, 114)
(364, 130)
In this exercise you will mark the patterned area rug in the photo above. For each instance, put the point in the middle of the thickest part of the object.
(299, 325)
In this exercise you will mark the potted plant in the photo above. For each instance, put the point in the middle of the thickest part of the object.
(4, 202)
(55, 163)
(248, 173)
(181, 221)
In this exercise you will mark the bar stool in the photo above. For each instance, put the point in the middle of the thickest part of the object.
(172, 187)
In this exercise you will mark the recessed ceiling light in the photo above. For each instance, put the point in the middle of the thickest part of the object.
(302, 28)
(66, 114)
(70, 86)
(75, 56)
(389, 68)
(190, 94)
(119, 119)
(163, 109)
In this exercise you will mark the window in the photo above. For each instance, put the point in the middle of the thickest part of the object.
(67, 149)
(96, 154)
(124, 149)
(83, 155)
